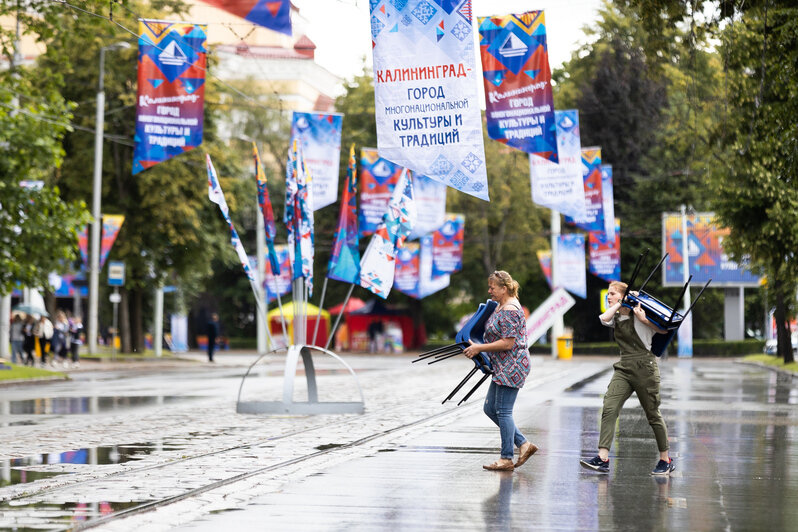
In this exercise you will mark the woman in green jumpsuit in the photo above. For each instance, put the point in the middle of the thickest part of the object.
(637, 371)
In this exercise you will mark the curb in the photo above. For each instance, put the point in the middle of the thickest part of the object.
(765, 366)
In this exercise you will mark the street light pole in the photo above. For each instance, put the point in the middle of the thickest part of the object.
(94, 265)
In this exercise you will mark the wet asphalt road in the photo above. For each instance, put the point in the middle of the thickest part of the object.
(732, 429)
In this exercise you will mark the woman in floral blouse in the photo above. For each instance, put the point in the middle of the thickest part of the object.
(505, 345)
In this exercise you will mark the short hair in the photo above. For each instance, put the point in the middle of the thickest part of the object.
(618, 284)
(502, 278)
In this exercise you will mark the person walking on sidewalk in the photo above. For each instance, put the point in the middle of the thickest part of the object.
(212, 331)
(505, 345)
(638, 372)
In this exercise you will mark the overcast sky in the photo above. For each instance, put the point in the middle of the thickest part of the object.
(340, 28)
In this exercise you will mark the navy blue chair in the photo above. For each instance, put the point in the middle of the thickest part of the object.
(656, 311)
(472, 331)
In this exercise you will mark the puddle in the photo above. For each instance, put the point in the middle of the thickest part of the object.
(42, 466)
(90, 405)
(48, 516)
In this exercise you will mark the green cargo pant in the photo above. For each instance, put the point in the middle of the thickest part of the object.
(639, 374)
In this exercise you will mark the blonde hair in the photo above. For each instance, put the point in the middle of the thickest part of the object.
(619, 285)
(502, 278)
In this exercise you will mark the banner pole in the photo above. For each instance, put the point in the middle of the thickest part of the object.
(318, 316)
(338, 319)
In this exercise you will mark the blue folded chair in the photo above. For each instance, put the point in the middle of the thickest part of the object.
(473, 331)
(656, 311)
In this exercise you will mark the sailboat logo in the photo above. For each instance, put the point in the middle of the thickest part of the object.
(381, 169)
(513, 47)
(173, 55)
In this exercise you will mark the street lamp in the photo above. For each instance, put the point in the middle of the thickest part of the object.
(94, 267)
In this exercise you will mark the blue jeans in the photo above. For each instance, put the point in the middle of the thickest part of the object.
(499, 408)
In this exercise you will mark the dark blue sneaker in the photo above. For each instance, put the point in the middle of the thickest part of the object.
(596, 464)
(664, 468)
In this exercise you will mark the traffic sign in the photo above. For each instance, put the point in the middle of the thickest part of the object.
(116, 273)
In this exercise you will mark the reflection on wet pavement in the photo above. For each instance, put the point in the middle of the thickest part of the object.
(86, 405)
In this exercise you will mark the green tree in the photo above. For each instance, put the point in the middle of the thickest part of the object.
(757, 184)
(37, 229)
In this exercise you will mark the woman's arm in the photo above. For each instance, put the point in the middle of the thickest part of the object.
(607, 315)
(502, 344)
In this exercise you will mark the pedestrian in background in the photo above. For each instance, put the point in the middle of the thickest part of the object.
(638, 372)
(212, 331)
(17, 339)
(75, 339)
(29, 339)
(505, 345)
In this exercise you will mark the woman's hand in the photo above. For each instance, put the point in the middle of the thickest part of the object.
(470, 351)
(640, 313)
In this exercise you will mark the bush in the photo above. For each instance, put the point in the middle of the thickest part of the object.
(706, 348)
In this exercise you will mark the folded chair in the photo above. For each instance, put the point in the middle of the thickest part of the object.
(656, 311)
(472, 331)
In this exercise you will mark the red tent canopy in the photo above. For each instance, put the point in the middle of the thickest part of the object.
(353, 304)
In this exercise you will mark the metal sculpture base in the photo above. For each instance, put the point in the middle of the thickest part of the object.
(312, 405)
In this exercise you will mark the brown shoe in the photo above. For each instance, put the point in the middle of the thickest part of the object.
(524, 454)
(499, 466)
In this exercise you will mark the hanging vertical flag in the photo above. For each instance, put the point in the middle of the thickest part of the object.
(265, 204)
(430, 198)
(272, 14)
(517, 78)
(112, 223)
(447, 245)
(594, 204)
(278, 282)
(216, 195)
(560, 187)
(570, 264)
(608, 201)
(83, 246)
(344, 262)
(320, 135)
(406, 277)
(299, 216)
(544, 258)
(378, 178)
(425, 92)
(428, 282)
(605, 253)
(171, 91)
(379, 261)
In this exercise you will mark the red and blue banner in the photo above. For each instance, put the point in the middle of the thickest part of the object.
(447, 245)
(320, 135)
(544, 259)
(428, 282)
(265, 204)
(430, 205)
(594, 203)
(406, 277)
(559, 186)
(216, 195)
(517, 78)
(272, 14)
(605, 254)
(344, 262)
(570, 264)
(378, 177)
(378, 265)
(608, 201)
(299, 215)
(63, 285)
(112, 223)
(83, 246)
(278, 282)
(707, 259)
(171, 91)
(425, 91)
